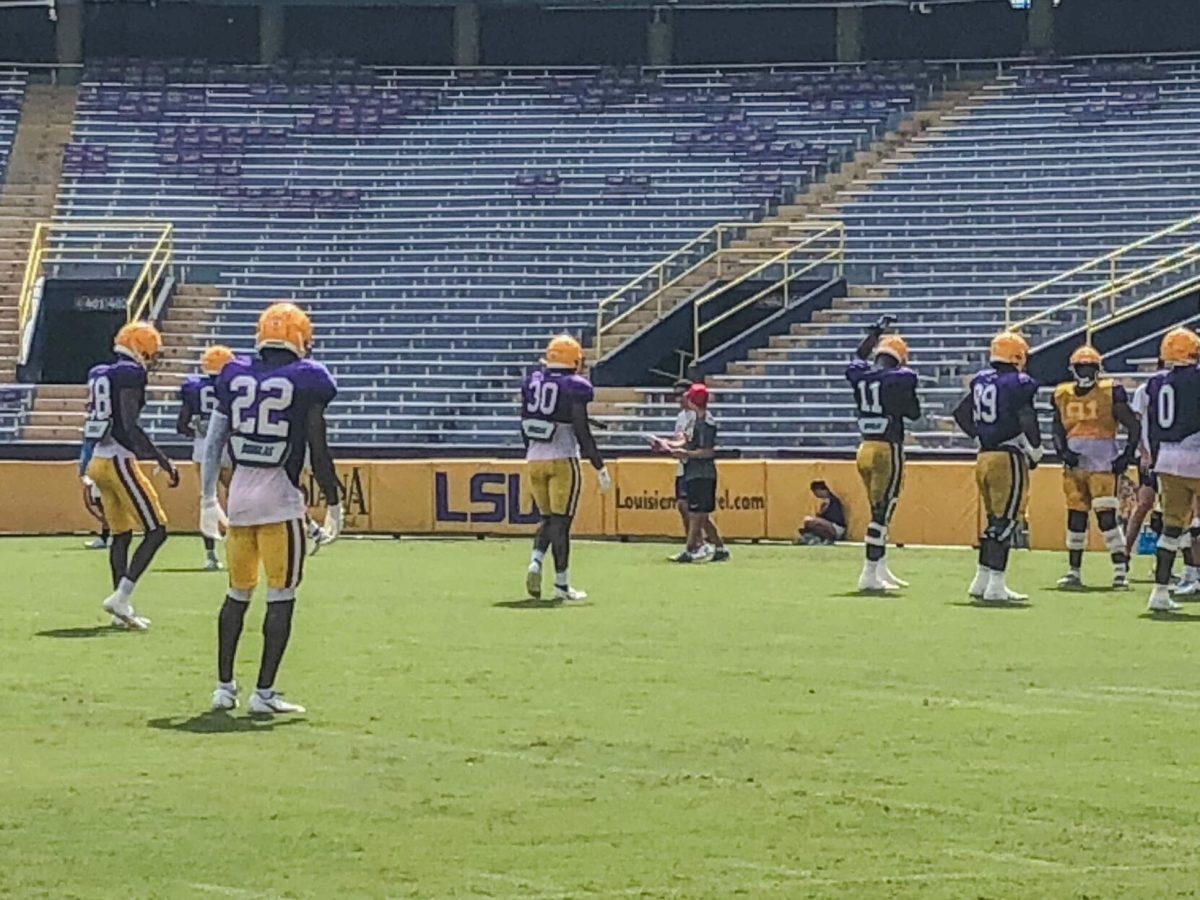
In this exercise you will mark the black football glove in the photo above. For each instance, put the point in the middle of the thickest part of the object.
(1123, 462)
(1069, 458)
(886, 321)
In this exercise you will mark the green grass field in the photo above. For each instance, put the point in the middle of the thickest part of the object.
(750, 729)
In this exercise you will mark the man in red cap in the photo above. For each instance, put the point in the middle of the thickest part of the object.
(698, 455)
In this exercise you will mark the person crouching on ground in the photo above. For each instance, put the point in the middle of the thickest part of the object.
(829, 524)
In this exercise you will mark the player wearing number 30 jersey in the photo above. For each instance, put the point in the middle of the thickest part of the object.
(885, 394)
(554, 426)
(998, 411)
(270, 409)
(116, 395)
(1173, 416)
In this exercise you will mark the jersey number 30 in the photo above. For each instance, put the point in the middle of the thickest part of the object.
(274, 395)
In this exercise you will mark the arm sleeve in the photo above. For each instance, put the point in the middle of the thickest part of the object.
(1058, 433)
(964, 416)
(85, 455)
(583, 433)
(320, 459)
(214, 444)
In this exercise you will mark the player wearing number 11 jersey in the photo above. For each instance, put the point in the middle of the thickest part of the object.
(1173, 416)
(998, 411)
(885, 394)
(270, 409)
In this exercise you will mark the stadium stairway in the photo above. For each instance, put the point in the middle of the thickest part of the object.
(27, 197)
(58, 411)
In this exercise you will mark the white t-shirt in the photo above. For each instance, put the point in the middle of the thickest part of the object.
(684, 423)
(1140, 404)
(262, 496)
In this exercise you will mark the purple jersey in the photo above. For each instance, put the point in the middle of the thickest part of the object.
(997, 398)
(883, 399)
(267, 406)
(548, 401)
(105, 421)
(199, 398)
(1173, 405)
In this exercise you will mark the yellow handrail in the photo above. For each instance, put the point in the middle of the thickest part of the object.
(1110, 258)
(43, 254)
(785, 256)
(718, 235)
(1172, 293)
(141, 295)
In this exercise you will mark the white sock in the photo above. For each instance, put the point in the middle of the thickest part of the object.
(871, 567)
(1075, 571)
(536, 557)
(230, 686)
(562, 579)
(125, 589)
(265, 692)
(1191, 573)
(996, 581)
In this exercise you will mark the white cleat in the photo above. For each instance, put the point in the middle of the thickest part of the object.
(212, 564)
(123, 612)
(96, 544)
(271, 704)
(1160, 600)
(569, 595)
(979, 586)
(873, 584)
(1003, 594)
(1187, 589)
(225, 698)
(1120, 581)
(533, 581)
(890, 577)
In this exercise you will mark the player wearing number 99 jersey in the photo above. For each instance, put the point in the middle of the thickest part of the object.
(270, 410)
(554, 426)
(116, 395)
(885, 394)
(1173, 415)
(197, 401)
(998, 411)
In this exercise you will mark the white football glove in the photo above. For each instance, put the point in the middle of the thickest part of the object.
(334, 520)
(212, 519)
(605, 480)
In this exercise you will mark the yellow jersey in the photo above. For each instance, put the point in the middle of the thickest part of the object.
(1090, 422)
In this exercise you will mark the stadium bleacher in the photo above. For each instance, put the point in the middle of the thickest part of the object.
(440, 225)
(12, 89)
(1046, 168)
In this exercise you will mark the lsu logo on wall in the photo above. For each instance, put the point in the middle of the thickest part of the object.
(492, 498)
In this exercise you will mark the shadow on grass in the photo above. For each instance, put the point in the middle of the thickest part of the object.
(214, 722)
(189, 570)
(1178, 618)
(528, 604)
(980, 604)
(871, 595)
(1084, 589)
(84, 631)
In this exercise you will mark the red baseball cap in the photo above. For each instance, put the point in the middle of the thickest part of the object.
(697, 395)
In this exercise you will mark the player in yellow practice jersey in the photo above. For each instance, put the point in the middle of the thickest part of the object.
(1089, 411)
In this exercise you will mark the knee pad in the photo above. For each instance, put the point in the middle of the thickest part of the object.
(280, 595)
(1185, 540)
(1000, 529)
(241, 595)
(1076, 540)
(1114, 540)
(1102, 503)
(1168, 542)
(876, 535)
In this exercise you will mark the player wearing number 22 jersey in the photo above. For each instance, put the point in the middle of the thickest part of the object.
(885, 394)
(197, 402)
(998, 412)
(116, 395)
(270, 410)
(1173, 416)
(554, 426)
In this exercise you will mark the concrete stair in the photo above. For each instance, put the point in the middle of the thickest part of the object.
(27, 197)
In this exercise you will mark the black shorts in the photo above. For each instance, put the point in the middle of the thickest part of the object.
(680, 488)
(702, 495)
(1147, 479)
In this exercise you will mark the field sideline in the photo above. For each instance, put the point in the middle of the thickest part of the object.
(698, 731)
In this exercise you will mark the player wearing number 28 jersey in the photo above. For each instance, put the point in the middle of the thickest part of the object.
(998, 412)
(116, 395)
(555, 428)
(197, 402)
(270, 410)
(1173, 417)
(885, 394)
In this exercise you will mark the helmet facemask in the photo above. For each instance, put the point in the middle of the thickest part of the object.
(1085, 374)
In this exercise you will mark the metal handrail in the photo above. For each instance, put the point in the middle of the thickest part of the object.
(33, 266)
(721, 232)
(141, 295)
(837, 253)
(1111, 257)
(1152, 302)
